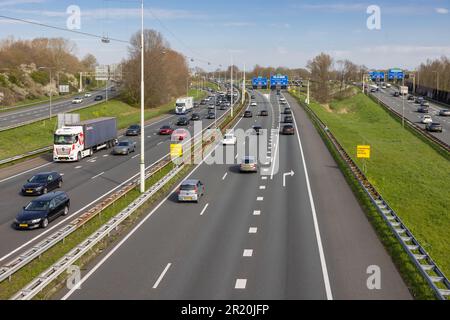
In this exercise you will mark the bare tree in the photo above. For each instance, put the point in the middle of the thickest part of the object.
(320, 68)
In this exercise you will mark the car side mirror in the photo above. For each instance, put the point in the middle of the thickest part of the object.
(23, 207)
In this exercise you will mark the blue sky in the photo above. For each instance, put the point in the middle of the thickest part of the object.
(278, 33)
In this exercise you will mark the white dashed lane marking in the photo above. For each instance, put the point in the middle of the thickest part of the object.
(240, 284)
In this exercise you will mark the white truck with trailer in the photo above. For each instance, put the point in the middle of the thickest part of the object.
(75, 141)
(184, 105)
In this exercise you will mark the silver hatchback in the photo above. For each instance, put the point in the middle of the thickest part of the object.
(191, 190)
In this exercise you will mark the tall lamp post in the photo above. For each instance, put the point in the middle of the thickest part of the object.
(51, 90)
(142, 160)
(437, 83)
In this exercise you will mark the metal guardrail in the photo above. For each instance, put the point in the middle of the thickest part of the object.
(19, 262)
(7, 270)
(70, 258)
(412, 125)
(423, 261)
(25, 155)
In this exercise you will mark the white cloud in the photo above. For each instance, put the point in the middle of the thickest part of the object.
(282, 50)
(442, 10)
(238, 24)
(19, 2)
(118, 13)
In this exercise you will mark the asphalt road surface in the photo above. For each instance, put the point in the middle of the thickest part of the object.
(86, 182)
(251, 238)
(42, 110)
(386, 96)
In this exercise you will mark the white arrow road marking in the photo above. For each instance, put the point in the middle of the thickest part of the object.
(287, 174)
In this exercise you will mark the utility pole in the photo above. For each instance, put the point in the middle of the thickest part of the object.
(51, 90)
(403, 104)
(232, 110)
(142, 160)
(243, 86)
(81, 81)
(307, 93)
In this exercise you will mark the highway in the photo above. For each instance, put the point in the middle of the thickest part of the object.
(386, 96)
(22, 115)
(86, 182)
(249, 237)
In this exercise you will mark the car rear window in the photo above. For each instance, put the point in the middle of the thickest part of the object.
(187, 187)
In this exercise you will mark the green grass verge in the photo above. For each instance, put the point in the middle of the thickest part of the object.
(30, 271)
(400, 170)
(40, 134)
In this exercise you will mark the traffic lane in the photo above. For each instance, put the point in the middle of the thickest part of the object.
(82, 190)
(285, 261)
(16, 117)
(412, 115)
(349, 241)
(177, 234)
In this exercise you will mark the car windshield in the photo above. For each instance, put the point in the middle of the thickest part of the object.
(134, 127)
(38, 178)
(38, 205)
(64, 139)
(123, 144)
(248, 160)
(165, 127)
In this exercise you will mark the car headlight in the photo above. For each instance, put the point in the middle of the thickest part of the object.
(35, 220)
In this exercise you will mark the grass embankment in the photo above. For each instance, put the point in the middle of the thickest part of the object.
(408, 172)
(40, 134)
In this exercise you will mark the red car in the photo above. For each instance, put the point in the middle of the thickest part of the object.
(180, 135)
(166, 130)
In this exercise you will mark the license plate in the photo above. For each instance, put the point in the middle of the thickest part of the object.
(29, 191)
(23, 225)
(188, 198)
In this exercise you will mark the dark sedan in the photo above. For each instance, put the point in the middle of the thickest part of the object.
(264, 113)
(133, 130)
(183, 121)
(434, 127)
(42, 183)
(288, 129)
(98, 98)
(288, 119)
(165, 130)
(248, 114)
(423, 109)
(195, 117)
(287, 111)
(211, 115)
(42, 210)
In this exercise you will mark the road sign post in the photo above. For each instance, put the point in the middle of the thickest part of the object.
(363, 152)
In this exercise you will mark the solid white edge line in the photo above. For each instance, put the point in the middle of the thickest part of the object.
(323, 263)
(204, 209)
(110, 253)
(21, 173)
(161, 276)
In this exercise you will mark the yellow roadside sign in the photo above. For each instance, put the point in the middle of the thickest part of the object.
(363, 152)
(176, 150)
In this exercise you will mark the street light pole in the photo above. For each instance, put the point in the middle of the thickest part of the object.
(51, 83)
(403, 104)
(231, 78)
(142, 161)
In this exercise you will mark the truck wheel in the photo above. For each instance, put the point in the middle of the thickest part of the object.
(79, 156)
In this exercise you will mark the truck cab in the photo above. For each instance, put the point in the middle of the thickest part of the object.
(69, 144)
